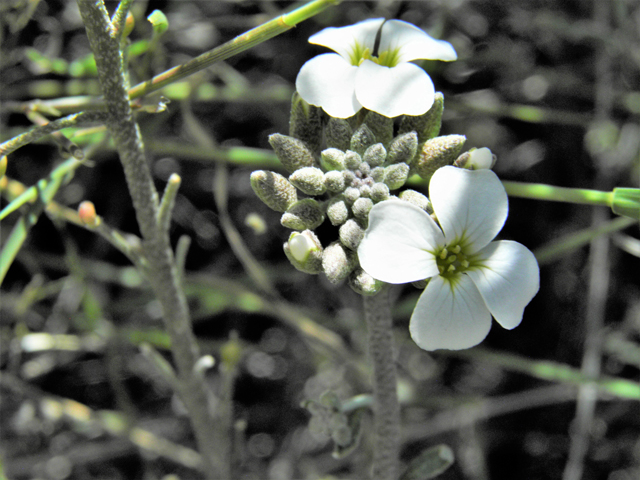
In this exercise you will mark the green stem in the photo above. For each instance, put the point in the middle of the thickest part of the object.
(233, 47)
(539, 191)
(386, 407)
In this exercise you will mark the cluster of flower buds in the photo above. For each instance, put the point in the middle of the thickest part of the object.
(339, 169)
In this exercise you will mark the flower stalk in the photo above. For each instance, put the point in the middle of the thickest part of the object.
(386, 407)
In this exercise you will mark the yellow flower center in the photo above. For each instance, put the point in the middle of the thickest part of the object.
(360, 53)
(452, 261)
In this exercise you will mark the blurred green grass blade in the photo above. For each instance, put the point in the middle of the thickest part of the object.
(31, 194)
(552, 371)
(21, 229)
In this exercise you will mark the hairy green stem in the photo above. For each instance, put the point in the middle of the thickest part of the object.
(160, 269)
(386, 407)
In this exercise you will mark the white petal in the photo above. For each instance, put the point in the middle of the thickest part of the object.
(328, 81)
(402, 90)
(450, 318)
(344, 39)
(508, 281)
(471, 206)
(414, 43)
(398, 245)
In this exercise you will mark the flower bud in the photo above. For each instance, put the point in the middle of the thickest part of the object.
(626, 202)
(338, 262)
(361, 208)
(309, 180)
(231, 352)
(337, 211)
(351, 234)
(3, 165)
(403, 149)
(417, 199)
(426, 125)
(379, 192)
(352, 160)
(305, 122)
(380, 126)
(377, 174)
(302, 215)
(363, 283)
(396, 175)
(476, 159)
(334, 181)
(438, 152)
(375, 155)
(362, 139)
(291, 152)
(87, 214)
(274, 190)
(159, 22)
(338, 133)
(351, 194)
(304, 251)
(332, 159)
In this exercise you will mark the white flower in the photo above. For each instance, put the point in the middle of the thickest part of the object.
(376, 77)
(471, 277)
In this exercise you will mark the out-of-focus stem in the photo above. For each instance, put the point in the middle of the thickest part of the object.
(539, 191)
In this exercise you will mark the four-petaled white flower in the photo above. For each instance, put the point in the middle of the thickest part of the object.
(471, 277)
(372, 69)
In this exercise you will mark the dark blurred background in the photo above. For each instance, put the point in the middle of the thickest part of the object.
(551, 87)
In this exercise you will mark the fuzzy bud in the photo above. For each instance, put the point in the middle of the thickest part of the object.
(274, 190)
(292, 153)
(438, 152)
(338, 133)
(417, 199)
(337, 211)
(377, 174)
(375, 155)
(379, 192)
(352, 160)
(362, 139)
(361, 208)
(426, 125)
(380, 126)
(476, 159)
(351, 194)
(87, 214)
(305, 122)
(309, 180)
(403, 149)
(351, 234)
(304, 251)
(338, 262)
(302, 215)
(396, 175)
(332, 159)
(363, 283)
(334, 181)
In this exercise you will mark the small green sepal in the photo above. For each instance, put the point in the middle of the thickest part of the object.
(274, 190)
(292, 153)
(305, 214)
